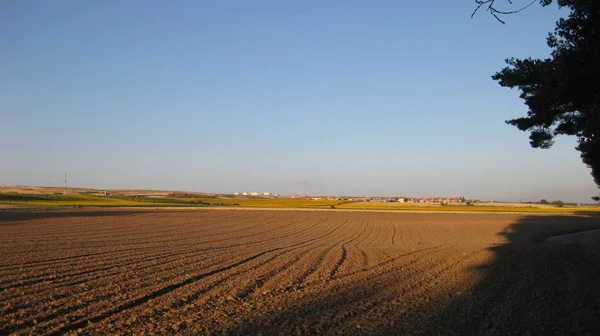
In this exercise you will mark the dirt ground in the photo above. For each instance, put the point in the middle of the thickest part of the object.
(295, 273)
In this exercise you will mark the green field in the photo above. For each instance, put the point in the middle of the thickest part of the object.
(57, 201)
(270, 203)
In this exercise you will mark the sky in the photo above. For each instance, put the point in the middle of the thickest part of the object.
(389, 98)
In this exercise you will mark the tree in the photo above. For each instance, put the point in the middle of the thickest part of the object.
(562, 92)
(543, 201)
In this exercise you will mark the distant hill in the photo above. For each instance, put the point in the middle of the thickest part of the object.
(87, 191)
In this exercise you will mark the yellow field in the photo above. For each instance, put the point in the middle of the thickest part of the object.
(55, 200)
(464, 208)
(268, 203)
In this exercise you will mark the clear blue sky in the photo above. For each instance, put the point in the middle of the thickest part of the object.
(318, 97)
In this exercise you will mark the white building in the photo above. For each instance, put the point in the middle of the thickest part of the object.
(244, 194)
(236, 194)
(253, 194)
(266, 193)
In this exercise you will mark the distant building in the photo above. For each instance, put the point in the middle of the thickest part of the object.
(253, 194)
(244, 194)
(267, 194)
(236, 194)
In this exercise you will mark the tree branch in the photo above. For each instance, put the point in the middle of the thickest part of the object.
(495, 12)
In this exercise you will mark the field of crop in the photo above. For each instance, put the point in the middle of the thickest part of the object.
(203, 271)
(56, 200)
(464, 208)
(270, 203)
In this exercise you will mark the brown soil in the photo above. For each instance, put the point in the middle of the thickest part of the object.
(294, 272)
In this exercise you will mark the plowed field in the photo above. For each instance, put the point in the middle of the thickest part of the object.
(294, 272)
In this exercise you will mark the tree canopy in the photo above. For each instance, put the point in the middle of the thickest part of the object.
(562, 92)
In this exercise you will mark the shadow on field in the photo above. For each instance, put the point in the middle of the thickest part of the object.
(530, 288)
(14, 215)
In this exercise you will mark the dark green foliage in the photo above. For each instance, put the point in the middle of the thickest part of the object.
(161, 200)
(543, 201)
(562, 92)
(37, 197)
(14, 197)
(183, 195)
